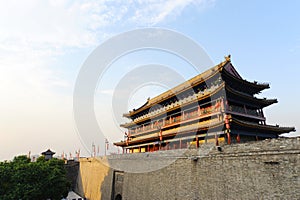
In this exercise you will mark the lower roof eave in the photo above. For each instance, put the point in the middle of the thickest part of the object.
(274, 129)
(120, 144)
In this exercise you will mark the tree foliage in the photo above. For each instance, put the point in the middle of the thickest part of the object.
(22, 179)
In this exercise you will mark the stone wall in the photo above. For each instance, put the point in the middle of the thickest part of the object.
(72, 168)
(266, 169)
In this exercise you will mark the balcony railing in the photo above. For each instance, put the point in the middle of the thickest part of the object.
(186, 115)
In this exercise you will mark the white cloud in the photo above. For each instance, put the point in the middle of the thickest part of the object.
(35, 34)
(152, 12)
(47, 27)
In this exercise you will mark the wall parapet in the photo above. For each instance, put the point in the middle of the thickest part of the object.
(267, 169)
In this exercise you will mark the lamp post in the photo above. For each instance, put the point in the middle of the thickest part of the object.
(105, 146)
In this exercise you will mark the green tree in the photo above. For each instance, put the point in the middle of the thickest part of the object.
(22, 179)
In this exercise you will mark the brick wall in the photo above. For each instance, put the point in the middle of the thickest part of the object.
(266, 169)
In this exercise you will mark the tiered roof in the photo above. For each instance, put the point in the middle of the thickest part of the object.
(232, 87)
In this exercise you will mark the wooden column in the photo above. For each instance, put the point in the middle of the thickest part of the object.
(238, 138)
(228, 138)
(227, 129)
(197, 142)
(216, 140)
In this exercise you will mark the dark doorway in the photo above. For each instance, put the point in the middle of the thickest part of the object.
(117, 185)
(118, 197)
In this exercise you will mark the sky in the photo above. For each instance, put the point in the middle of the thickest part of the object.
(43, 45)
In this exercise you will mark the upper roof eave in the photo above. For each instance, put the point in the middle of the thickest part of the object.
(259, 86)
(181, 87)
(265, 102)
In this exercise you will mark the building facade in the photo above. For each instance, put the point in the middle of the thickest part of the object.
(216, 106)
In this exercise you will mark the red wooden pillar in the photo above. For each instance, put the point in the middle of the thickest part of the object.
(160, 135)
(228, 137)
(197, 142)
(180, 144)
(217, 141)
(238, 138)
(227, 129)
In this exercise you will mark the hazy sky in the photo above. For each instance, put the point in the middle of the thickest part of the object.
(43, 45)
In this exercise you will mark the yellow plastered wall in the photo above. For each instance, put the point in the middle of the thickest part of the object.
(92, 173)
(212, 140)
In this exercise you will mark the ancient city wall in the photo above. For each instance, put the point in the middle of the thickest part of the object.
(267, 169)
